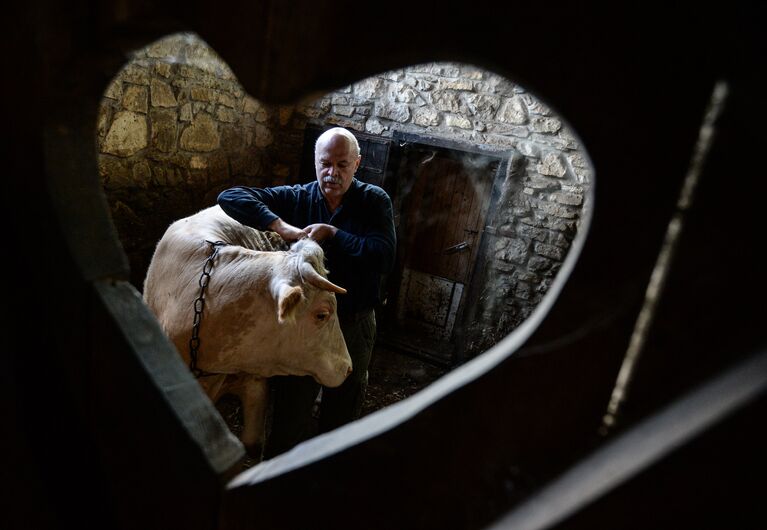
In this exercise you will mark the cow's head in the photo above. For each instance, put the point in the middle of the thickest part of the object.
(306, 313)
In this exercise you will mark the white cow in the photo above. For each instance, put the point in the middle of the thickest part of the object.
(265, 313)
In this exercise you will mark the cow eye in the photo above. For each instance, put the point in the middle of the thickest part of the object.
(322, 317)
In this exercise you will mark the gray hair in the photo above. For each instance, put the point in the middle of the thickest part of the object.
(339, 131)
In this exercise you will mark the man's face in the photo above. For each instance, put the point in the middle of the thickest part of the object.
(335, 164)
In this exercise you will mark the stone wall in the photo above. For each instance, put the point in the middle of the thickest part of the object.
(176, 128)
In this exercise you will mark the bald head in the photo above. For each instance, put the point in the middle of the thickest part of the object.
(330, 134)
(336, 159)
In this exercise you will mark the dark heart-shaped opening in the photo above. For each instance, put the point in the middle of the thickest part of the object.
(490, 188)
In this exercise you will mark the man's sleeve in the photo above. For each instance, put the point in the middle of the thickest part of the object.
(376, 248)
(257, 207)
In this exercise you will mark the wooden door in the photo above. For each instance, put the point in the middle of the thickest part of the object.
(444, 218)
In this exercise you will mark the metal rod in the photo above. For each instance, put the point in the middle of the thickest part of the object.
(665, 257)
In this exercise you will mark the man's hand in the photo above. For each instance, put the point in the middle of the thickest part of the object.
(319, 232)
(287, 231)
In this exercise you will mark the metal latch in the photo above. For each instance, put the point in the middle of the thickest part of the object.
(460, 247)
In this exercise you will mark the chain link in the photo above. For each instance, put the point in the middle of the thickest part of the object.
(199, 305)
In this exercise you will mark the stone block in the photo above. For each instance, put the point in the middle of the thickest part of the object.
(445, 70)
(506, 230)
(451, 120)
(371, 88)
(349, 123)
(516, 251)
(529, 149)
(310, 112)
(522, 275)
(552, 165)
(583, 175)
(199, 106)
(250, 105)
(561, 225)
(227, 101)
(185, 114)
(393, 111)
(555, 141)
(557, 210)
(343, 110)
(419, 83)
(202, 135)
(163, 69)
(560, 240)
(500, 244)
(135, 98)
(162, 94)
(426, 117)
(578, 160)
(164, 129)
(540, 182)
(571, 199)
(535, 106)
(501, 141)
(226, 115)
(567, 136)
(135, 74)
(483, 106)
(455, 84)
(531, 232)
(201, 93)
(114, 90)
(446, 101)
(102, 122)
(364, 110)
(127, 135)
(469, 72)
(538, 264)
(521, 212)
(374, 126)
(545, 125)
(550, 251)
(500, 265)
(523, 291)
(512, 110)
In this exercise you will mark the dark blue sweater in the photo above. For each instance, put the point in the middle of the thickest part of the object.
(363, 247)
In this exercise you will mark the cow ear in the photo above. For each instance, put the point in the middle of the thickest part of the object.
(287, 301)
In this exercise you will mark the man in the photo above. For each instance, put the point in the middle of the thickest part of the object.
(353, 222)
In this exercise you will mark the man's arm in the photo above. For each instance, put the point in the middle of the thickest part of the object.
(287, 231)
(260, 208)
(376, 248)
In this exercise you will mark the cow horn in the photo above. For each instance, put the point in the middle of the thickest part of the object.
(312, 277)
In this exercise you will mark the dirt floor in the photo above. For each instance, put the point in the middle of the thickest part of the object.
(392, 376)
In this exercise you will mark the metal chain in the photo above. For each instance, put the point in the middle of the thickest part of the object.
(199, 305)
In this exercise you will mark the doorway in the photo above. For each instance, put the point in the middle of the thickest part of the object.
(442, 198)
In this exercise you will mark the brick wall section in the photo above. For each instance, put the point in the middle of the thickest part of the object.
(176, 127)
